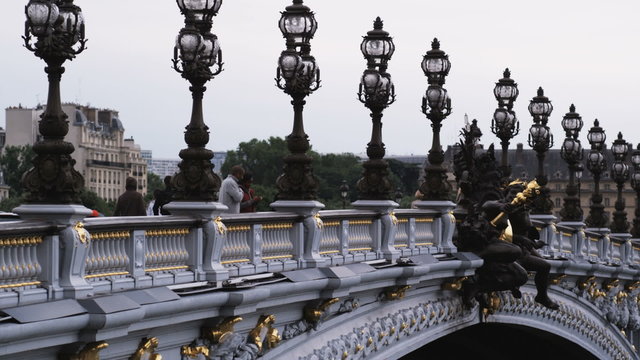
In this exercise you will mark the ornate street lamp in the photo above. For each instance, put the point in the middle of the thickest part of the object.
(436, 105)
(344, 193)
(620, 174)
(541, 140)
(376, 92)
(298, 76)
(59, 30)
(201, 10)
(504, 124)
(635, 184)
(196, 52)
(596, 164)
(571, 152)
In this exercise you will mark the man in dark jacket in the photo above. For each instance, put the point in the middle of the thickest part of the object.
(130, 203)
(163, 197)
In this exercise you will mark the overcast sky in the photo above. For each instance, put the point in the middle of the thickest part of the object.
(580, 51)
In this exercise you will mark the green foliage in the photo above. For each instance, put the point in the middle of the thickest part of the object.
(10, 203)
(14, 162)
(268, 193)
(264, 159)
(154, 182)
(406, 176)
(331, 169)
(92, 201)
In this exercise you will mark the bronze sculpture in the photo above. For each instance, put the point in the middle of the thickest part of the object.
(495, 225)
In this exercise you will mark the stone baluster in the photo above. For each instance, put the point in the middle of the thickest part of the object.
(257, 241)
(345, 229)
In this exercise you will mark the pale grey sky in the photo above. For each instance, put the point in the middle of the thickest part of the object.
(580, 51)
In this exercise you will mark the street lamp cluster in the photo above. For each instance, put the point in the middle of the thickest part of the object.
(196, 52)
(541, 140)
(596, 164)
(504, 124)
(376, 92)
(436, 105)
(58, 27)
(620, 174)
(55, 32)
(297, 75)
(635, 185)
(571, 152)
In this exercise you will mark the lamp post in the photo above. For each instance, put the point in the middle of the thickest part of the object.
(196, 52)
(635, 184)
(504, 124)
(571, 153)
(620, 174)
(596, 164)
(541, 140)
(344, 193)
(298, 76)
(436, 105)
(376, 92)
(58, 26)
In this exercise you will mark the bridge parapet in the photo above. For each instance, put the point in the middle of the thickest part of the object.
(115, 254)
(132, 261)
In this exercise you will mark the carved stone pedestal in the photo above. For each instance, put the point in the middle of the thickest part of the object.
(74, 242)
(602, 244)
(547, 230)
(202, 210)
(312, 227)
(214, 235)
(386, 226)
(59, 214)
(444, 223)
(578, 250)
(620, 248)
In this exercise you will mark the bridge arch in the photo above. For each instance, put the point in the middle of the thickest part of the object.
(427, 321)
(499, 341)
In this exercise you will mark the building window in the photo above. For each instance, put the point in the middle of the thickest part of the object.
(606, 202)
(558, 202)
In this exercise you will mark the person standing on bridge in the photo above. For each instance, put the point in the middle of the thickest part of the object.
(163, 197)
(230, 191)
(130, 203)
(249, 198)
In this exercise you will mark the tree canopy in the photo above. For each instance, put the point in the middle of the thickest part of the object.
(14, 162)
(264, 159)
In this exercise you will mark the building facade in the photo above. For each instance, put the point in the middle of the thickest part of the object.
(169, 167)
(102, 154)
(163, 167)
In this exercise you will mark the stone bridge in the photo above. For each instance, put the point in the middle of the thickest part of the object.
(346, 284)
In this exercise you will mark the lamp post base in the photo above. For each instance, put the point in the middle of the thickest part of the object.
(200, 209)
(60, 214)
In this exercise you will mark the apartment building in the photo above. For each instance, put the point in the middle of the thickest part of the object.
(103, 155)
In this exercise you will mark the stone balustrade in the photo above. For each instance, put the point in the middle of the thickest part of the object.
(128, 261)
(41, 262)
